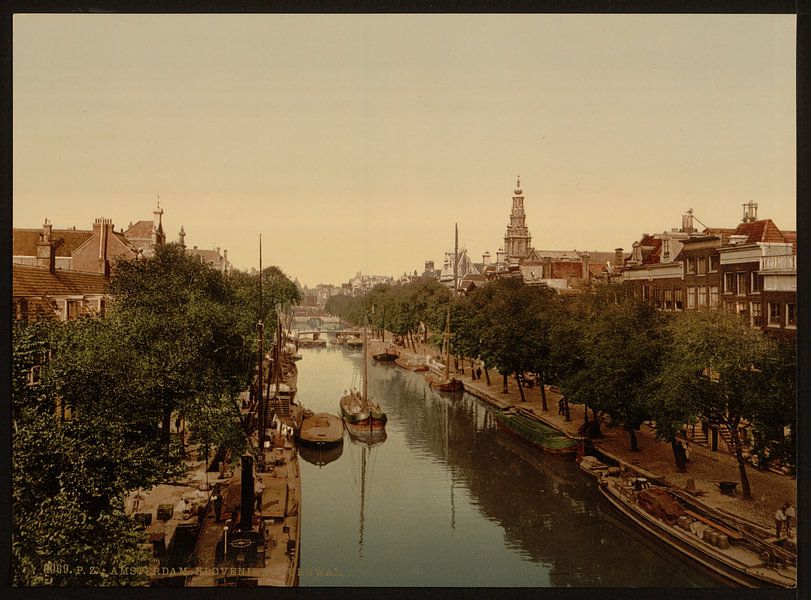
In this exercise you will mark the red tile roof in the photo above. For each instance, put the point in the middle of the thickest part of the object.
(760, 231)
(142, 229)
(30, 281)
(24, 241)
(791, 237)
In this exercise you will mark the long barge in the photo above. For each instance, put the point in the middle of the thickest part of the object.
(538, 433)
(731, 553)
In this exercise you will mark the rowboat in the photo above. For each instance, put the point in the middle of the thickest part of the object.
(537, 433)
(321, 429)
(695, 530)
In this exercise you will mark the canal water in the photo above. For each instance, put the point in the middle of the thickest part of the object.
(449, 500)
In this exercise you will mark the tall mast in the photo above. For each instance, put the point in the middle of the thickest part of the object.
(365, 363)
(259, 388)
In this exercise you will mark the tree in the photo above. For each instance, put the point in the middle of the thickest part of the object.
(721, 359)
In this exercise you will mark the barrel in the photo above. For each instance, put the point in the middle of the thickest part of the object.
(711, 537)
(723, 541)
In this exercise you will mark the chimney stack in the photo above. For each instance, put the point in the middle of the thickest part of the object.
(46, 249)
(617, 257)
(750, 212)
(584, 257)
(687, 222)
(102, 230)
(486, 258)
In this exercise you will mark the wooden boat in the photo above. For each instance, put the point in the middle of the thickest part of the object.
(353, 343)
(411, 365)
(356, 407)
(321, 429)
(538, 433)
(446, 383)
(593, 466)
(696, 531)
(387, 356)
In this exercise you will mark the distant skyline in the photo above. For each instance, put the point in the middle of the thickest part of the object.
(355, 142)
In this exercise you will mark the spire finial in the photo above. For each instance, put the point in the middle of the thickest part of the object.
(159, 200)
(518, 190)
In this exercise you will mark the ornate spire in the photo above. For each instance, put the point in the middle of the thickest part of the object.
(518, 190)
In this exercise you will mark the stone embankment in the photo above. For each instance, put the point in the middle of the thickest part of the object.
(655, 459)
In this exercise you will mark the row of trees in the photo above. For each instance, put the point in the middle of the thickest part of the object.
(93, 401)
(617, 356)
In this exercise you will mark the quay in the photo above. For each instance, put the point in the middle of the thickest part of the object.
(706, 469)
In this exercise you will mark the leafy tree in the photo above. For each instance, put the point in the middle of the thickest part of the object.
(721, 359)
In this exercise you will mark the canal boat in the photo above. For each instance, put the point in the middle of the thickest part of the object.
(385, 356)
(355, 406)
(593, 466)
(321, 429)
(696, 531)
(411, 364)
(527, 426)
(446, 383)
(353, 342)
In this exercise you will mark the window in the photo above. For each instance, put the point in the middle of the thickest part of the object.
(691, 297)
(754, 282)
(690, 265)
(730, 306)
(35, 375)
(741, 277)
(657, 297)
(756, 311)
(742, 309)
(702, 296)
(729, 283)
(714, 296)
(713, 264)
(677, 299)
(72, 309)
(102, 307)
(666, 249)
(645, 292)
(791, 315)
(668, 299)
(774, 314)
(701, 265)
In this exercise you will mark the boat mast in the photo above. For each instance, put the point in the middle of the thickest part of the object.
(362, 496)
(259, 391)
(365, 363)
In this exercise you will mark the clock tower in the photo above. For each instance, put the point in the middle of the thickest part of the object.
(517, 241)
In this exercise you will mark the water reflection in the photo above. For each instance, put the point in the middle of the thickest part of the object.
(455, 501)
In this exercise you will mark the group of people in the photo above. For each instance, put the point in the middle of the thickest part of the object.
(784, 517)
(477, 374)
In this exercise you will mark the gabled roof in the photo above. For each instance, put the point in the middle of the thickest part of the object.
(209, 256)
(652, 255)
(142, 229)
(760, 231)
(33, 281)
(24, 241)
(791, 238)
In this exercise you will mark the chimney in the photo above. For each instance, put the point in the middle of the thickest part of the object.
(102, 230)
(584, 265)
(46, 249)
(547, 267)
(687, 222)
(617, 257)
(246, 510)
(501, 256)
(181, 237)
(750, 212)
(486, 258)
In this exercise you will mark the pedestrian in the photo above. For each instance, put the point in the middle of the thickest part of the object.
(217, 505)
(177, 424)
(779, 519)
(561, 407)
(479, 373)
(788, 511)
(201, 513)
(687, 451)
(258, 489)
(680, 453)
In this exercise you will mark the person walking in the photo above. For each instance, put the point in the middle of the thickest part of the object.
(779, 520)
(687, 451)
(788, 512)
(561, 407)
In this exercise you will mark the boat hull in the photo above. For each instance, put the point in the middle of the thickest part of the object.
(385, 357)
(695, 549)
(322, 429)
(539, 435)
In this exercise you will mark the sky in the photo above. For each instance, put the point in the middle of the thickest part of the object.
(355, 142)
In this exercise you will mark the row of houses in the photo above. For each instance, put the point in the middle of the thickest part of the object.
(63, 273)
(750, 268)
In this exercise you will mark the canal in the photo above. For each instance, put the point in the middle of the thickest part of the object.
(449, 500)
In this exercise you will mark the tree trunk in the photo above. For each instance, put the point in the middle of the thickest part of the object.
(520, 388)
(738, 448)
(634, 441)
(487, 376)
(680, 466)
(543, 392)
(585, 414)
(506, 389)
(166, 434)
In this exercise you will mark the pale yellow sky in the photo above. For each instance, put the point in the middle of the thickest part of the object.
(354, 142)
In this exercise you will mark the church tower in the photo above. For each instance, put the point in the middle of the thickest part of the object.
(517, 241)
